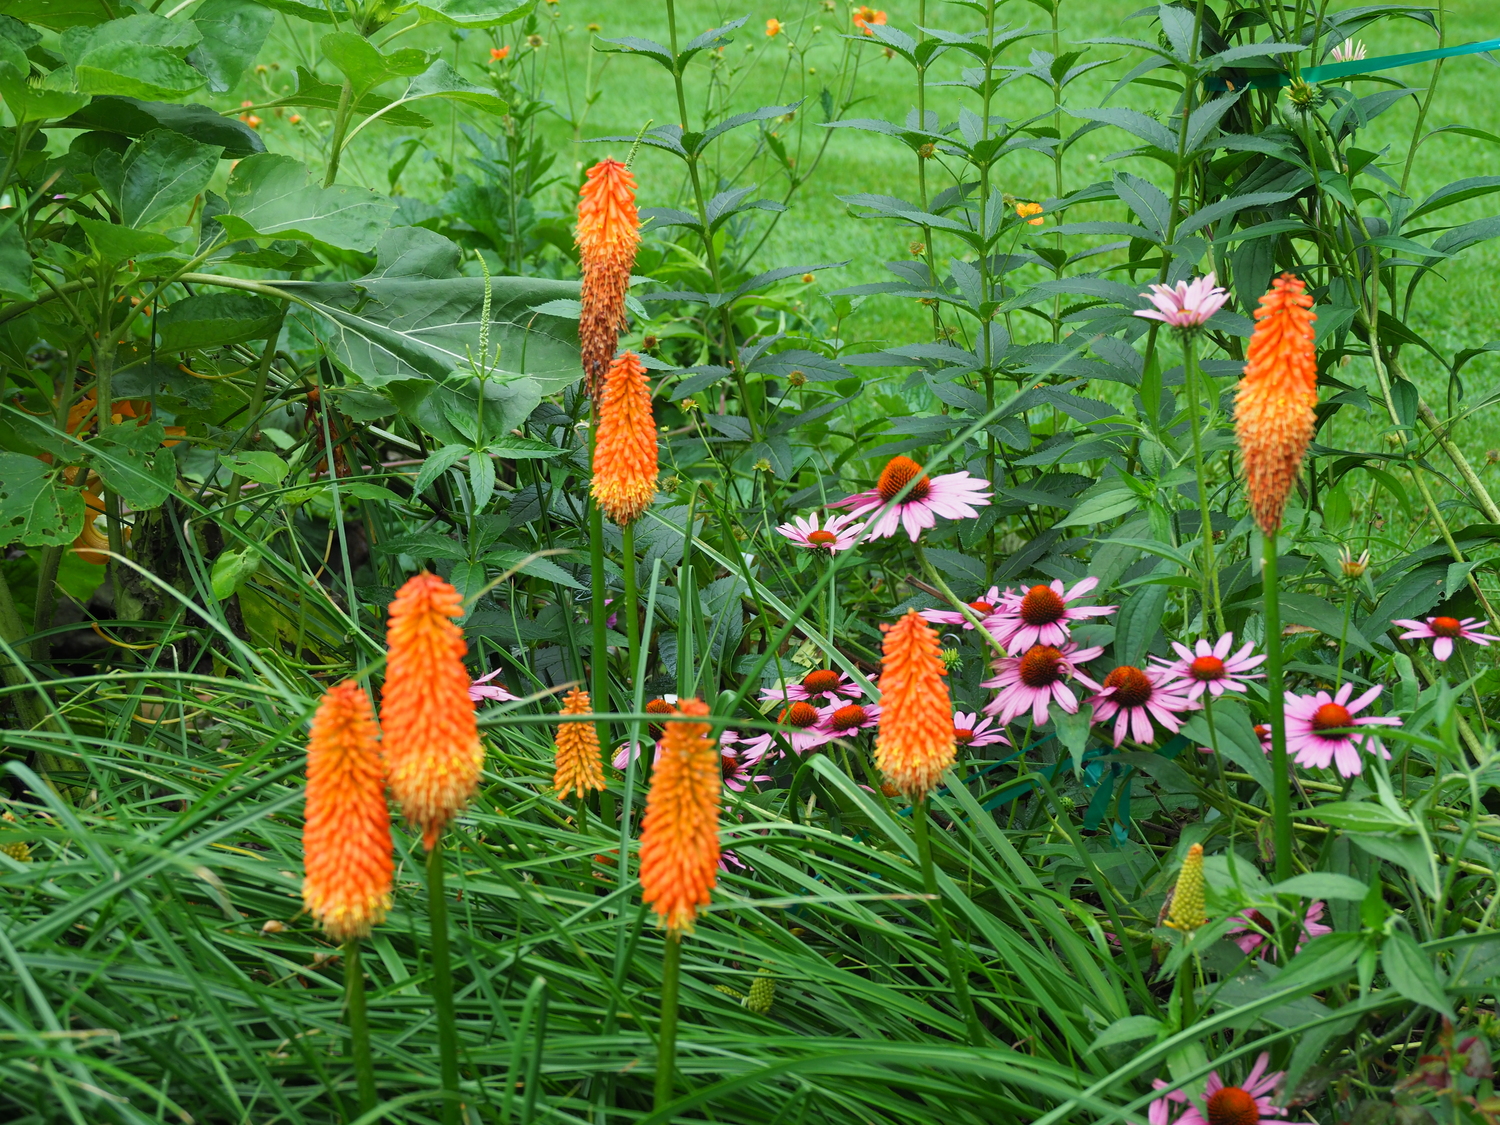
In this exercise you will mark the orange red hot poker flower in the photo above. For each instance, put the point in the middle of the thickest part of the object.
(625, 444)
(577, 766)
(680, 835)
(346, 838)
(431, 740)
(1274, 407)
(915, 743)
(608, 233)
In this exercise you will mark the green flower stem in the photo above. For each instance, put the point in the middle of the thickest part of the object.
(359, 1028)
(599, 649)
(340, 127)
(632, 600)
(1210, 572)
(1281, 776)
(666, 1043)
(956, 976)
(442, 984)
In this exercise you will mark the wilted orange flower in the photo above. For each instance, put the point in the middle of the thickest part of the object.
(609, 230)
(1026, 210)
(773, 28)
(346, 837)
(577, 765)
(915, 741)
(680, 835)
(1273, 409)
(431, 741)
(625, 444)
(865, 15)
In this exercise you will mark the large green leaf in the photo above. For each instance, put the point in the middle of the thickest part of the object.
(28, 102)
(114, 243)
(33, 510)
(364, 66)
(273, 195)
(414, 317)
(15, 264)
(233, 33)
(135, 72)
(133, 117)
(440, 80)
(312, 93)
(212, 320)
(159, 173)
(146, 29)
(133, 463)
(59, 15)
(470, 13)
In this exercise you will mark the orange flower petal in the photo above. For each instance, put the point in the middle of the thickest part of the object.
(625, 444)
(608, 233)
(680, 835)
(915, 741)
(578, 766)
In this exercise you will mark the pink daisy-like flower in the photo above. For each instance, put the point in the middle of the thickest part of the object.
(1187, 305)
(1041, 615)
(983, 608)
(1314, 723)
(1034, 679)
(952, 495)
(970, 730)
(738, 761)
(848, 720)
(820, 682)
(1443, 631)
(838, 533)
(1135, 696)
(629, 751)
(1349, 51)
(1250, 932)
(482, 689)
(1220, 1104)
(1210, 667)
(805, 723)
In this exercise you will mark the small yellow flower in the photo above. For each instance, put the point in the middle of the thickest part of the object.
(1027, 210)
(773, 28)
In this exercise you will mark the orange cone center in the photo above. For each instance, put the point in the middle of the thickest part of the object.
(1331, 716)
(895, 476)
(1132, 686)
(1042, 666)
(1042, 605)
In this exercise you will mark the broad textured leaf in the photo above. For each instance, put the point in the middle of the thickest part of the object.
(133, 71)
(537, 568)
(233, 33)
(313, 93)
(1412, 974)
(1358, 816)
(33, 510)
(470, 13)
(15, 264)
(440, 80)
(132, 461)
(1324, 616)
(261, 467)
(364, 66)
(114, 243)
(161, 172)
(1138, 623)
(231, 570)
(59, 15)
(211, 320)
(1324, 885)
(135, 118)
(274, 195)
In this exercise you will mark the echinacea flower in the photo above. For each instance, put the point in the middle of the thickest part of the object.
(1443, 631)
(577, 767)
(1211, 667)
(608, 234)
(820, 682)
(983, 608)
(483, 689)
(625, 443)
(1036, 679)
(915, 741)
(738, 761)
(838, 533)
(865, 15)
(805, 720)
(628, 752)
(346, 834)
(1274, 405)
(1250, 931)
(432, 746)
(1133, 697)
(1041, 615)
(1219, 1104)
(847, 720)
(952, 495)
(1188, 304)
(1349, 51)
(970, 730)
(680, 833)
(1316, 727)
(1353, 567)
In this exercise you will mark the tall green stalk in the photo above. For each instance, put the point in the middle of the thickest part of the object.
(632, 600)
(666, 1042)
(599, 650)
(956, 977)
(442, 984)
(1281, 777)
(1210, 591)
(359, 1027)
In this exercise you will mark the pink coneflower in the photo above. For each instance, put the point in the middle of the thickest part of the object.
(970, 730)
(1249, 933)
(1350, 51)
(819, 683)
(1041, 615)
(738, 760)
(1443, 631)
(483, 689)
(1220, 1104)
(838, 533)
(983, 608)
(848, 720)
(1187, 305)
(1314, 723)
(1035, 679)
(1210, 667)
(805, 722)
(629, 751)
(952, 495)
(1133, 697)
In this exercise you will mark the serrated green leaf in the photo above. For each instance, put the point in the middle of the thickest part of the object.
(34, 510)
(131, 460)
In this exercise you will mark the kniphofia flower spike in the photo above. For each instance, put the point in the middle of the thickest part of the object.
(625, 445)
(577, 766)
(680, 834)
(432, 746)
(346, 838)
(915, 742)
(608, 234)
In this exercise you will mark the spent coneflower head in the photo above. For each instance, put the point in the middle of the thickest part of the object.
(625, 444)
(1273, 409)
(608, 233)
(915, 743)
(680, 834)
(346, 834)
(1188, 912)
(432, 746)
(578, 765)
